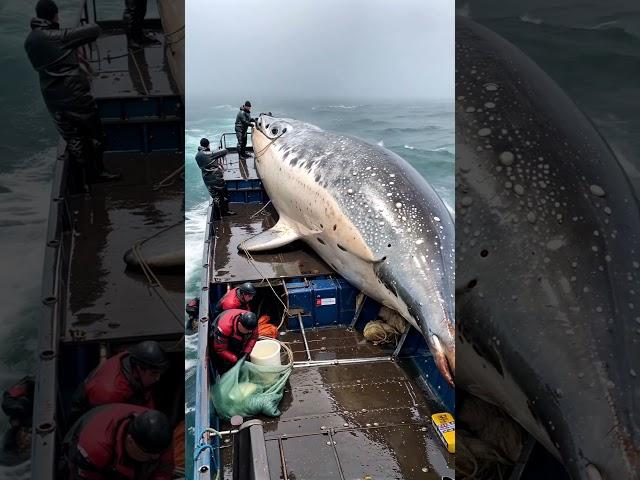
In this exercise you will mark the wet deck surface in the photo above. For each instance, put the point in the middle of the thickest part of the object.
(121, 72)
(352, 421)
(239, 168)
(294, 260)
(106, 300)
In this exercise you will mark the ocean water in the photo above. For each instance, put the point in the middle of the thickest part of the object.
(420, 132)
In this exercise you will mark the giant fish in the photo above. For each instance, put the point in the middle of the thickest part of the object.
(548, 262)
(370, 215)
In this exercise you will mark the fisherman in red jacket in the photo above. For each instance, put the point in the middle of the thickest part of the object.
(238, 297)
(118, 442)
(127, 377)
(234, 334)
(17, 404)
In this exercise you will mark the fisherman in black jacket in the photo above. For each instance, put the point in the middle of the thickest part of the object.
(213, 177)
(243, 122)
(67, 91)
(134, 13)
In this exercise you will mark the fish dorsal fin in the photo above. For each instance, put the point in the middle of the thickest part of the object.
(277, 236)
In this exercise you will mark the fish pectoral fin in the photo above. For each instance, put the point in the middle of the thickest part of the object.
(277, 236)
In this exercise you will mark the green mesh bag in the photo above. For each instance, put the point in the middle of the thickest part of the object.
(249, 390)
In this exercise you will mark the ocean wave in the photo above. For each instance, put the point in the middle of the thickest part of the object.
(194, 227)
(21, 471)
(346, 107)
(380, 143)
(409, 147)
(224, 107)
(391, 130)
(526, 18)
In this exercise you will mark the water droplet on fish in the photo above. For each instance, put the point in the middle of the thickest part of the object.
(519, 189)
(597, 190)
(506, 158)
(483, 132)
(350, 191)
(490, 87)
(555, 244)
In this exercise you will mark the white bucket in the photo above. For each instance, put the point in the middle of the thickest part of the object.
(266, 352)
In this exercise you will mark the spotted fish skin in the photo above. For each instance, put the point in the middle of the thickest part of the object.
(548, 262)
(370, 215)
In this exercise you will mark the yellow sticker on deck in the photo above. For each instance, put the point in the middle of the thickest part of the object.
(445, 425)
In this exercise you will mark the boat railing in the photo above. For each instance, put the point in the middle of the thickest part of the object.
(232, 144)
(205, 444)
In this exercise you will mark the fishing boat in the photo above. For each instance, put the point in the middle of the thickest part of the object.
(351, 409)
(94, 305)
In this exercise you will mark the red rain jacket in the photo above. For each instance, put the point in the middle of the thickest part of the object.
(95, 447)
(228, 341)
(230, 300)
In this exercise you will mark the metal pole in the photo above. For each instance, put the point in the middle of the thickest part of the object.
(344, 361)
(396, 352)
(304, 337)
(359, 304)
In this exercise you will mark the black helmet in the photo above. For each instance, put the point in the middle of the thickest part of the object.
(247, 289)
(151, 431)
(204, 142)
(249, 320)
(149, 354)
(247, 103)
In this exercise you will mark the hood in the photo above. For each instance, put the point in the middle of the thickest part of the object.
(42, 24)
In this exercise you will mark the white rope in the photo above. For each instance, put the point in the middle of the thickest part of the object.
(153, 280)
(258, 212)
(252, 262)
(165, 181)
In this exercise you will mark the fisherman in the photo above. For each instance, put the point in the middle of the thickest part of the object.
(234, 334)
(119, 441)
(243, 122)
(127, 377)
(66, 91)
(133, 18)
(213, 177)
(17, 404)
(239, 297)
(193, 310)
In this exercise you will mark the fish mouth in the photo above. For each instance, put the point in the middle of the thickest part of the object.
(445, 359)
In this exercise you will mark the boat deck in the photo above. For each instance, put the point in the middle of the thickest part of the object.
(106, 300)
(228, 265)
(124, 73)
(353, 420)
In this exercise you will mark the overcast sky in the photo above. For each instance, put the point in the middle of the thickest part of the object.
(334, 49)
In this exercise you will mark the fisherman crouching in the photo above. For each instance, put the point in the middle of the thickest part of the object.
(234, 335)
(127, 377)
(119, 441)
(236, 298)
(17, 404)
